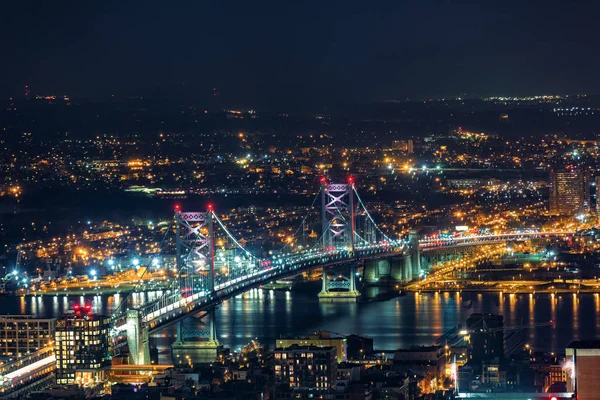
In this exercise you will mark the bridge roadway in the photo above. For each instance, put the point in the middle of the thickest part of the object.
(277, 268)
(13, 383)
(436, 243)
(282, 266)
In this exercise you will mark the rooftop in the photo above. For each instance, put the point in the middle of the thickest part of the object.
(584, 344)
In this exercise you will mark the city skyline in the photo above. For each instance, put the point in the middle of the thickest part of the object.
(227, 200)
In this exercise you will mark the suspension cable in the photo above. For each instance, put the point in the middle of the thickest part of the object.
(369, 216)
(303, 219)
(125, 298)
(233, 238)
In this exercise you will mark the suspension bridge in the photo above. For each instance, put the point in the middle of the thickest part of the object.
(213, 265)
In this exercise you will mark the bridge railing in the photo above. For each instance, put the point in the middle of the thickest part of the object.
(268, 269)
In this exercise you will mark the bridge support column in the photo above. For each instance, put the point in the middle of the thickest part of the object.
(377, 271)
(137, 338)
(371, 274)
(415, 254)
(196, 346)
(353, 278)
(336, 290)
(397, 270)
(325, 281)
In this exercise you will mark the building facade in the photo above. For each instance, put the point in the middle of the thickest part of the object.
(304, 369)
(320, 339)
(22, 334)
(486, 337)
(82, 348)
(569, 192)
(583, 361)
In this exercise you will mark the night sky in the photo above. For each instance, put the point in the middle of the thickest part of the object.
(268, 54)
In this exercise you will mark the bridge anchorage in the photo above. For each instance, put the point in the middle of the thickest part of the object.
(398, 269)
(137, 338)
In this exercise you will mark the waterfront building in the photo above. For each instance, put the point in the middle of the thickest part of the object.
(304, 368)
(583, 361)
(358, 347)
(426, 361)
(320, 339)
(82, 348)
(23, 334)
(569, 192)
(486, 337)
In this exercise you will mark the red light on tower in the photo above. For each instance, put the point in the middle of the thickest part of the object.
(210, 207)
(323, 180)
(351, 180)
(553, 398)
(177, 208)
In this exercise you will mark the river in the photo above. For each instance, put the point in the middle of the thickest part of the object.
(396, 323)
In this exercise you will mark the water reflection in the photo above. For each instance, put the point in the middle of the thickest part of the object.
(415, 319)
(575, 328)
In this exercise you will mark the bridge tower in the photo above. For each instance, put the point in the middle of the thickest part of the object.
(137, 338)
(338, 234)
(195, 253)
(203, 348)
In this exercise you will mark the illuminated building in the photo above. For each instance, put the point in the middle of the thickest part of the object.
(569, 192)
(556, 374)
(82, 347)
(407, 146)
(304, 368)
(320, 339)
(22, 334)
(583, 364)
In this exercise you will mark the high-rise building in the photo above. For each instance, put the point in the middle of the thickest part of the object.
(410, 146)
(486, 337)
(399, 145)
(569, 192)
(317, 338)
(22, 334)
(303, 369)
(82, 347)
(406, 145)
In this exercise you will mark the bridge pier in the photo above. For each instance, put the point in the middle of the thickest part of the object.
(414, 253)
(389, 270)
(345, 288)
(191, 352)
(137, 338)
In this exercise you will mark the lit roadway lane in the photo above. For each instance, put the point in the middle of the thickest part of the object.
(22, 375)
(279, 267)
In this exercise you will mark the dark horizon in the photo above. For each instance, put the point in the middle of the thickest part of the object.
(271, 54)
